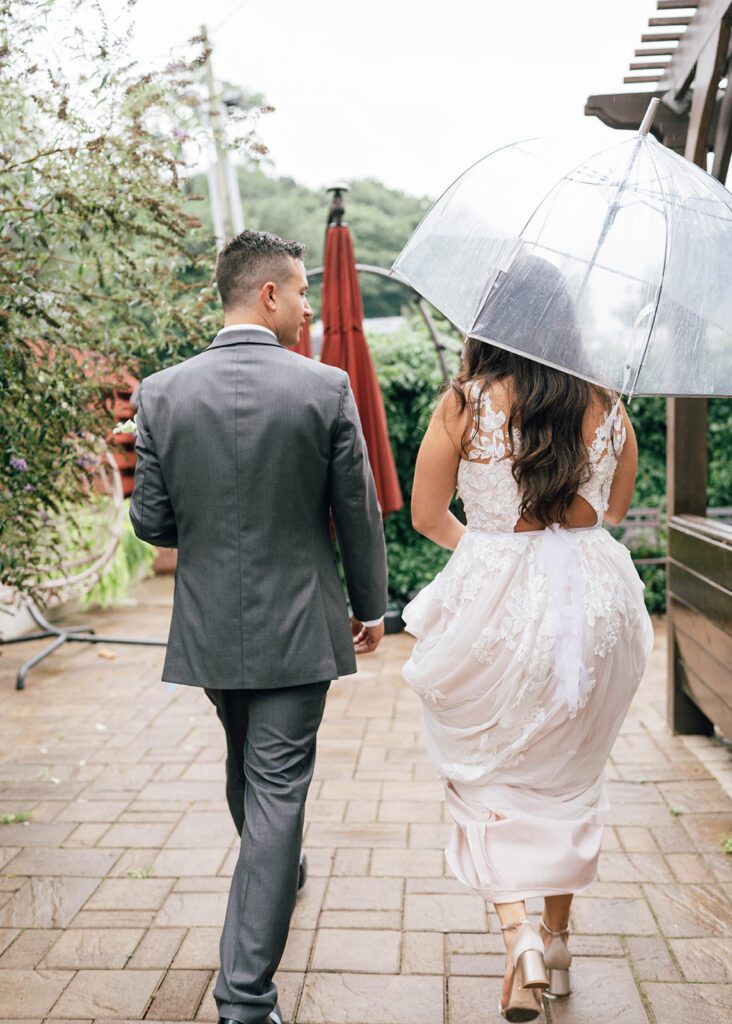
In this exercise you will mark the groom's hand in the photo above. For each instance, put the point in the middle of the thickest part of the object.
(366, 638)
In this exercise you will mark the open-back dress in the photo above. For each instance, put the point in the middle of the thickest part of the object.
(530, 646)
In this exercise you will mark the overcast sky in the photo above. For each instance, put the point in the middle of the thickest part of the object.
(407, 91)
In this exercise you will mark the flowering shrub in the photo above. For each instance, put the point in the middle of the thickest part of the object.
(101, 268)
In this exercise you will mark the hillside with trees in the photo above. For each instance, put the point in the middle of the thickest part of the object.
(381, 220)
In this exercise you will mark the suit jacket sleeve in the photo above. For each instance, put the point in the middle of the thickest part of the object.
(356, 513)
(151, 511)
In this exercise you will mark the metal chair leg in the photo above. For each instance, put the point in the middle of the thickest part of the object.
(25, 669)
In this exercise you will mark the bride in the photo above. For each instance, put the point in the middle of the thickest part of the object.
(530, 643)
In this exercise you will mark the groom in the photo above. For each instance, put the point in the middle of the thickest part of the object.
(243, 452)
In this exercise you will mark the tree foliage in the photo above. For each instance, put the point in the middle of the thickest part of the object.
(381, 220)
(103, 266)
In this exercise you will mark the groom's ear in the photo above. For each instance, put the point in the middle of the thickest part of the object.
(269, 295)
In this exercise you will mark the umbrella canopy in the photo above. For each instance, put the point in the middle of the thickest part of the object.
(344, 345)
(304, 344)
(616, 267)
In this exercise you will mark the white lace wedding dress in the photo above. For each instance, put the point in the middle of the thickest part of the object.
(529, 649)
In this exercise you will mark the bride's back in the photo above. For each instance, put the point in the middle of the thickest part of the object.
(564, 467)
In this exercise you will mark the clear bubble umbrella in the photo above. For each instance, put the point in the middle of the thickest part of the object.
(616, 267)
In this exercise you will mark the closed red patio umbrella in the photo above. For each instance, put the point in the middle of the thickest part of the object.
(344, 345)
(304, 344)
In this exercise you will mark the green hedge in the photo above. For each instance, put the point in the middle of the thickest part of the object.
(411, 381)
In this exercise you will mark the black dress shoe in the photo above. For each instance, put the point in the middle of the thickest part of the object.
(275, 1017)
(302, 875)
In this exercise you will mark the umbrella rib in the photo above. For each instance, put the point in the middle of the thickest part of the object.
(663, 277)
(565, 177)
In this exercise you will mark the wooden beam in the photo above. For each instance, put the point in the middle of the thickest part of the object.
(703, 26)
(709, 70)
(679, 19)
(662, 37)
(672, 5)
(625, 110)
(686, 463)
(723, 137)
(666, 51)
(649, 65)
(634, 79)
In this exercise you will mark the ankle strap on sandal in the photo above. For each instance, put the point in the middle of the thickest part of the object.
(554, 935)
(514, 924)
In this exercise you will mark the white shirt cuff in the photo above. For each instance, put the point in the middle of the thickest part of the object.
(372, 622)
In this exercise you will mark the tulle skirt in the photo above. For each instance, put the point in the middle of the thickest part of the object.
(529, 649)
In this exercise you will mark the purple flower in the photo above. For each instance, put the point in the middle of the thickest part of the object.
(87, 461)
(29, 488)
(19, 464)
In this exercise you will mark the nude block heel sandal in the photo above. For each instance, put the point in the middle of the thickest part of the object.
(528, 975)
(558, 960)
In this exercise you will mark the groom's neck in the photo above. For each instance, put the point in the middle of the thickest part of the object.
(244, 316)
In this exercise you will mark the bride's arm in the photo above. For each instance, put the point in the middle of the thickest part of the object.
(435, 475)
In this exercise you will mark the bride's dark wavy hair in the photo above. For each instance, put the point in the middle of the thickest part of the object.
(549, 406)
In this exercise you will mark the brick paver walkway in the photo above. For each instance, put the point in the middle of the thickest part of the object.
(113, 894)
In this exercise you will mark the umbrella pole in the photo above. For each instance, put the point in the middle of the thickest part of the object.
(615, 205)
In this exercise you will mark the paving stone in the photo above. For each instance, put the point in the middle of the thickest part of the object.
(190, 910)
(689, 911)
(92, 993)
(360, 950)
(196, 863)
(358, 835)
(403, 863)
(355, 811)
(371, 999)
(179, 996)
(87, 834)
(707, 830)
(309, 902)
(202, 829)
(217, 884)
(35, 833)
(651, 959)
(29, 948)
(139, 836)
(77, 863)
(7, 936)
(602, 991)
(158, 948)
(423, 953)
(47, 902)
(421, 811)
(696, 796)
(351, 862)
(364, 894)
(297, 951)
(360, 919)
(113, 919)
(634, 867)
(429, 837)
(30, 993)
(614, 917)
(636, 839)
(93, 947)
(130, 894)
(678, 1004)
(83, 810)
(690, 867)
(444, 913)
(706, 959)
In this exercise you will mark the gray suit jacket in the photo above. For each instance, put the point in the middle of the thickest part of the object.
(242, 451)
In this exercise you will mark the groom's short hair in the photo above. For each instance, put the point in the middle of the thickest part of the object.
(251, 259)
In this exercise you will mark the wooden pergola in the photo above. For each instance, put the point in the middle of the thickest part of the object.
(685, 59)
